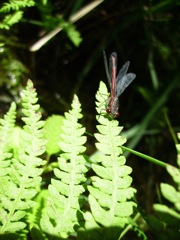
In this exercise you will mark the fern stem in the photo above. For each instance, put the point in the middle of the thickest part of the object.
(170, 127)
(151, 159)
(123, 233)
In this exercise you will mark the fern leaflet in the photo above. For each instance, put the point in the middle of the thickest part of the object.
(63, 206)
(52, 134)
(11, 19)
(14, 17)
(24, 181)
(170, 216)
(6, 131)
(16, 5)
(111, 191)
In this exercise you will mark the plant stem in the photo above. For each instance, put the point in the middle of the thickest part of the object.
(151, 159)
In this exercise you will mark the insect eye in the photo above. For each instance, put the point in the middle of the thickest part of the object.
(108, 110)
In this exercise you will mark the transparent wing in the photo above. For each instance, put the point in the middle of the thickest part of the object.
(122, 72)
(124, 83)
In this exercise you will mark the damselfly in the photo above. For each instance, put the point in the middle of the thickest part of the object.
(118, 82)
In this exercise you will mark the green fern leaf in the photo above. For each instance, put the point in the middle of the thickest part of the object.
(33, 217)
(111, 191)
(52, 134)
(73, 34)
(24, 180)
(6, 132)
(11, 19)
(71, 31)
(63, 205)
(170, 216)
(16, 16)
(16, 5)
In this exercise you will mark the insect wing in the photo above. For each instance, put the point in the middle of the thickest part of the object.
(122, 72)
(107, 69)
(124, 83)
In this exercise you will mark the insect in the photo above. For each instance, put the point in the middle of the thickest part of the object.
(117, 82)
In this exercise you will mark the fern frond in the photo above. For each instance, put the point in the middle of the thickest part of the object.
(72, 33)
(6, 131)
(34, 216)
(170, 216)
(63, 206)
(11, 19)
(15, 10)
(16, 5)
(111, 191)
(24, 182)
(52, 133)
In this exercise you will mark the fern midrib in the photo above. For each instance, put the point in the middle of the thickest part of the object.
(72, 184)
(73, 158)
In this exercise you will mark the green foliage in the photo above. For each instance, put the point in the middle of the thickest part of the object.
(11, 19)
(21, 181)
(16, 9)
(62, 211)
(6, 130)
(72, 33)
(111, 193)
(51, 22)
(141, 235)
(52, 133)
(34, 216)
(14, 6)
(69, 204)
(170, 216)
(158, 79)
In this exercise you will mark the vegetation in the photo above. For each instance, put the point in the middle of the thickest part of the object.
(63, 176)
